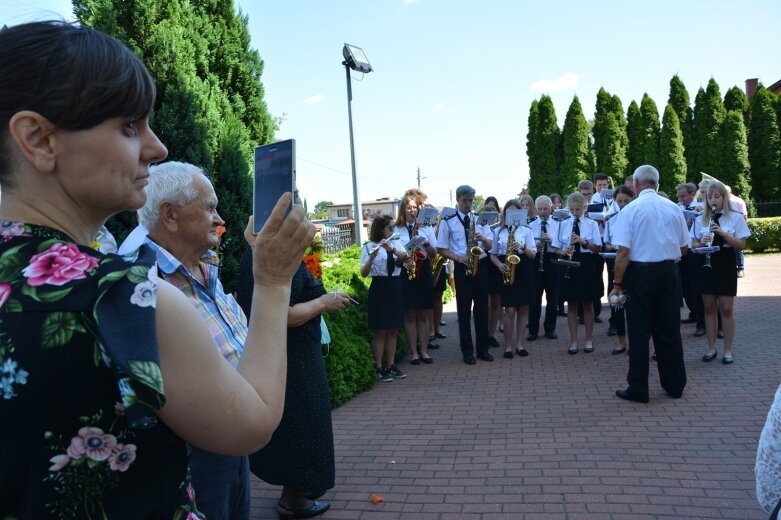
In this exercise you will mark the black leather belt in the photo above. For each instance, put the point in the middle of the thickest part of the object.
(651, 264)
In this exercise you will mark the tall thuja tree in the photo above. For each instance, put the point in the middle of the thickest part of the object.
(533, 147)
(735, 99)
(679, 99)
(602, 108)
(708, 121)
(576, 165)
(737, 170)
(609, 132)
(634, 132)
(693, 151)
(650, 131)
(764, 146)
(549, 139)
(210, 109)
(619, 160)
(672, 163)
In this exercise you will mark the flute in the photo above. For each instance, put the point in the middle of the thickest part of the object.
(376, 248)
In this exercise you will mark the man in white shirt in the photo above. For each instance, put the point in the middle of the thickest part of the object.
(651, 237)
(546, 233)
(452, 244)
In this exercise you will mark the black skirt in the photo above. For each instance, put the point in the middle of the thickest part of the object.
(579, 285)
(418, 293)
(494, 278)
(521, 292)
(386, 303)
(722, 278)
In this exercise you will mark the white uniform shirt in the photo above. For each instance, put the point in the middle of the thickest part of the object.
(732, 223)
(589, 230)
(523, 235)
(553, 230)
(652, 227)
(380, 264)
(452, 235)
(427, 231)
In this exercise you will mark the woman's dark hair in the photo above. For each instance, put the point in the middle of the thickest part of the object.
(491, 200)
(379, 223)
(556, 197)
(625, 190)
(74, 76)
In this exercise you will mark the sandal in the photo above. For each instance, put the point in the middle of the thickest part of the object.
(573, 350)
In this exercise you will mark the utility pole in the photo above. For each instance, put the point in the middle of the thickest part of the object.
(418, 178)
(451, 198)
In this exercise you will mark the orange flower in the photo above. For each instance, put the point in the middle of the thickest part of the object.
(312, 263)
(376, 499)
(220, 231)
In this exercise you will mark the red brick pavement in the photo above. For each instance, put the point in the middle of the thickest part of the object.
(544, 437)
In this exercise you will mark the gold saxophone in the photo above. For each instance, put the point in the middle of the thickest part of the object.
(439, 261)
(508, 277)
(473, 251)
(418, 257)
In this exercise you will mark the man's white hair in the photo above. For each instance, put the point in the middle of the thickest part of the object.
(172, 182)
(543, 199)
(646, 174)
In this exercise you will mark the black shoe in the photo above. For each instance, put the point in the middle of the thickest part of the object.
(618, 350)
(442, 323)
(562, 313)
(597, 319)
(317, 508)
(396, 373)
(492, 342)
(427, 360)
(531, 337)
(415, 361)
(688, 321)
(612, 331)
(551, 335)
(629, 396)
(485, 356)
(580, 321)
(470, 360)
(508, 354)
(433, 345)
(439, 335)
(709, 357)
(522, 352)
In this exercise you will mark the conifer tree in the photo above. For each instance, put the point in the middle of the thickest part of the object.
(707, 122)
(736, 169)
(672, 163)
(532, 144)
(679, 99)
(735, 99)
(694, 149)
(602, 107)
(764, 146)
(548, 179)
(610, 139)
(634, 131)
(650, 131)
(576, 164)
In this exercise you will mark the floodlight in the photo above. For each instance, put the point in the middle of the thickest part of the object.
(356, 59)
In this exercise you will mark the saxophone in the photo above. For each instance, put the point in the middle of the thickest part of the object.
(473, 251)
(508, 277)
(413, 273)
(439, 261)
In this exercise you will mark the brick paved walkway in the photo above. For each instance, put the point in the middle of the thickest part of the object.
(543, 437)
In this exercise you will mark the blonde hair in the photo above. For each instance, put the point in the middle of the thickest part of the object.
(725, 206)
(532, 206)
(401, 218)
(576, 198)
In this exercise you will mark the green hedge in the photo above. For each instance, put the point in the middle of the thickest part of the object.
(349, 362)
(765, 234)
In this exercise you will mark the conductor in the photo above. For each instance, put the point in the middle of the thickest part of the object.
(651, 238)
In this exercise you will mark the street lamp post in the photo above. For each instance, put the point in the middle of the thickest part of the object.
(354, 59)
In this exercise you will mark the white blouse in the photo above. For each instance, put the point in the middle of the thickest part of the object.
(589, 230)
(380, 264)
(523, 235)
(732, 223)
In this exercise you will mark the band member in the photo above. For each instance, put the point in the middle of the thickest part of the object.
(494, 281)
(380, 259)
(622, 197)
(417, 280)
(459, 240)
(586, 188)
(441, 277)
(582, 241)
(719, 226)
(514, 242)
(558, 203)
(685, 194)
(546, 275)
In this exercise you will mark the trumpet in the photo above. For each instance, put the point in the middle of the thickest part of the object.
(512, 260)
(707, 264)
(473, 251)
(376, 248)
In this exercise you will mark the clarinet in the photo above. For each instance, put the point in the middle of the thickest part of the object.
(575, 231)
(543, 230)
(707, 264)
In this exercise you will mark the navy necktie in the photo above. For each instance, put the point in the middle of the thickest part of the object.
(391, 263)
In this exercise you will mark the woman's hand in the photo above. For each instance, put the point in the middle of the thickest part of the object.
(334, 301)
(281, 243)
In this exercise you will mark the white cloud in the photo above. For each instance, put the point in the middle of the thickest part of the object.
(439, 106)
(313, 100)
(565, 82)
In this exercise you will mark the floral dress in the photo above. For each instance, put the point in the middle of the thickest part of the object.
(80, 384)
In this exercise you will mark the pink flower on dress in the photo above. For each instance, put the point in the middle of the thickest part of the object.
(60, 264)
(92, 443)
(10, 228)
(122, 456)
(190, 493)
(59, 462)
(5, 293)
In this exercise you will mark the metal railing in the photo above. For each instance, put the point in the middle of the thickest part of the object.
(335, 240)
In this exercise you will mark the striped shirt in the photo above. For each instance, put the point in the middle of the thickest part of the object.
(223, 316)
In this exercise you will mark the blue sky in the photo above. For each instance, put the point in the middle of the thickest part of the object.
(454, 79)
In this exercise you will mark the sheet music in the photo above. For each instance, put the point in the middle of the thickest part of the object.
(516, 217)
(415, 243)
(427, 216)
(486, 218)
(607, 193)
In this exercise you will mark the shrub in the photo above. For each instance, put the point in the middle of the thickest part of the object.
(765, 234)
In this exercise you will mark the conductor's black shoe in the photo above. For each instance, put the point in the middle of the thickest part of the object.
(485, 356)
(470, 360)
(531, 337)
(551, 335)
(629, 396)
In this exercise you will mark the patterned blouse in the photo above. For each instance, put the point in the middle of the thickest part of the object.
(80, 384)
